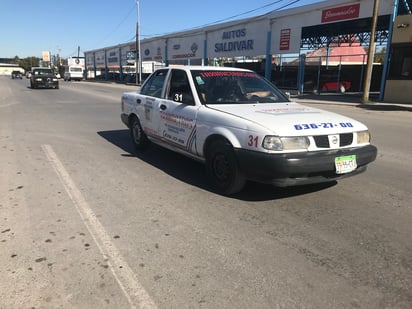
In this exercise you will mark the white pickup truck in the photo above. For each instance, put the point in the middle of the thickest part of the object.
(243, 128)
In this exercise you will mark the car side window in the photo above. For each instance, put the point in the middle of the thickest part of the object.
(153, 87)
(179, 90)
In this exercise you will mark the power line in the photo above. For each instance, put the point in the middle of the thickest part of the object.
(115, 28)
(230, 18)
(205, 25)
(241, 14)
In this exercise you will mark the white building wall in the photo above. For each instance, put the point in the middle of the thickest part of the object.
(248, 37)
(187, 47)
(153, 50)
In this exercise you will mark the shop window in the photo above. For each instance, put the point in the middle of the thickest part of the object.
(401, 62)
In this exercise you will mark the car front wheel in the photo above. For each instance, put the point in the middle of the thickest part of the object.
(222, 168)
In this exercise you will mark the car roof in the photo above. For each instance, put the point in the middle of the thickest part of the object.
(206, 68)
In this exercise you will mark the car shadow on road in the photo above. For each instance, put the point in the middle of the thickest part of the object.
(174, 164)
(193, 172)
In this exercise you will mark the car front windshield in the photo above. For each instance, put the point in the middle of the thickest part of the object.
(234, 87)
(43, 72)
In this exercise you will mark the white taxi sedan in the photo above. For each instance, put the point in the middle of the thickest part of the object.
(243, 128)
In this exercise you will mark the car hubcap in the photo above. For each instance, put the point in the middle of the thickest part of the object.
(136, 133)
(221, 167)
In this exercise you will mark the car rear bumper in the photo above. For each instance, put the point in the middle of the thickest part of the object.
(301, 168)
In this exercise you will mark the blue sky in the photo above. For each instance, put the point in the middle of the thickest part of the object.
(60, 26)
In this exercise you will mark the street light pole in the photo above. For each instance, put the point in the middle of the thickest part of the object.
(138, 60)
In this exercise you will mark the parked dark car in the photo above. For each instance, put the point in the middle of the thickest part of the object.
(16, 74)
(43, 78)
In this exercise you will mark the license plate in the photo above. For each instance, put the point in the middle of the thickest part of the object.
(345, 164)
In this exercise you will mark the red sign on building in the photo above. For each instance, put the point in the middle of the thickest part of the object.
(284, 39)
(341, 13)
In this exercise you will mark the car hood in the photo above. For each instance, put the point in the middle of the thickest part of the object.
(292, 119)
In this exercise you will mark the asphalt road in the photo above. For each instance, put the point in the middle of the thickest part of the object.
(87, 222)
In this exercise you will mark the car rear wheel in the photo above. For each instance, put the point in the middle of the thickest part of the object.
(222, 168)
(139, 138)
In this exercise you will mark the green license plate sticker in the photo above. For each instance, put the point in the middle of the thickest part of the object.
(345, 164)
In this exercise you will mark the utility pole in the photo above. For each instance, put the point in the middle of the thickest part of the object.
(371, 54)
(137, 45)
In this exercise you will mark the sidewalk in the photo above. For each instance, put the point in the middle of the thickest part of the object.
(323, 98)
(351, 99)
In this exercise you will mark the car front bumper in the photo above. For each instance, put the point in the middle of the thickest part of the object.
(45, 83)
(292, 169)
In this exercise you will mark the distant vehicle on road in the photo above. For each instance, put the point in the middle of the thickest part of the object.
(43, 78)
(74, 69)
(16, 74)
(72, 72)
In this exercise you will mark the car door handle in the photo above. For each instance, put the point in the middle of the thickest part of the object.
(163, 107)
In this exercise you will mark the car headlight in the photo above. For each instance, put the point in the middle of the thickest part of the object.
(363, 137)
(38, 79)
(285, 143)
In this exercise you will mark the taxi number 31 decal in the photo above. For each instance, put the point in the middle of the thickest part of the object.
(253, 141)
(323, 125)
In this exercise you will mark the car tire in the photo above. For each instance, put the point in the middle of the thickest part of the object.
(222, 168)
(139, 138)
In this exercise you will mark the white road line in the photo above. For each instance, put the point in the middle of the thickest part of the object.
(133, 290)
